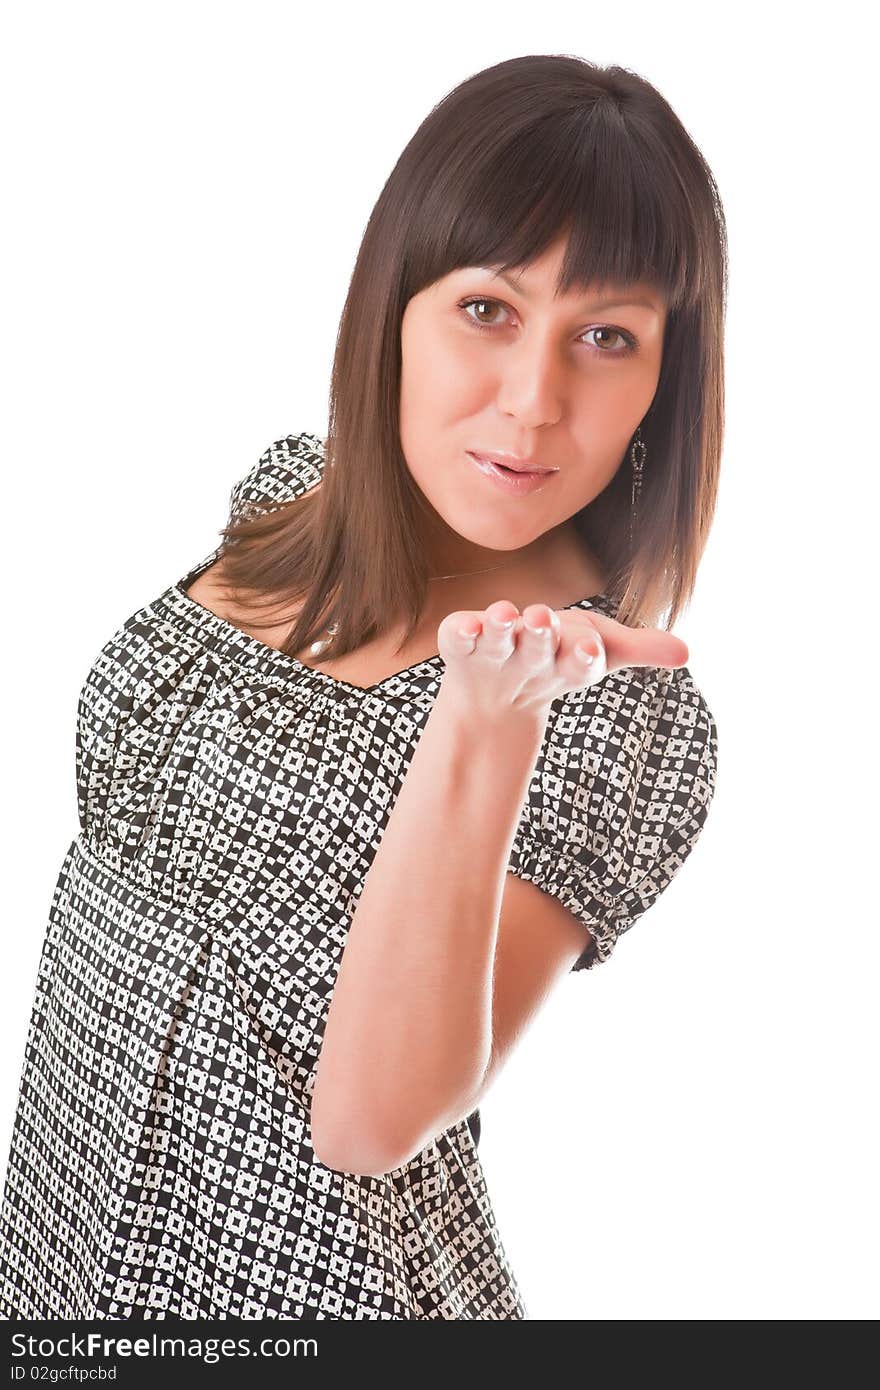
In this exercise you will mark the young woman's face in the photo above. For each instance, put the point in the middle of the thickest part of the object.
(562, 382)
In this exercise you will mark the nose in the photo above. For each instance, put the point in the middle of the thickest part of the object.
(532, 381)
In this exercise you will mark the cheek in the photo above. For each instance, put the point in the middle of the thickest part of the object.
(439, 380)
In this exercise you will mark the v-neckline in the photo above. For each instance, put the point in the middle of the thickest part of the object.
(292, 664)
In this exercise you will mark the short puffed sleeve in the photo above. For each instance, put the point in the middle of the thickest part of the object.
(286, 469)
(620, 793)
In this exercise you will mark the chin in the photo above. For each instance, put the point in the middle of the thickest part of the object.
(489, 538)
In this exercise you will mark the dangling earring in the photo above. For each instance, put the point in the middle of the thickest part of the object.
(321, 645)
(637, 453)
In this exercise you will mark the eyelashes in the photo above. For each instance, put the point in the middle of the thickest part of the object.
(630, 343)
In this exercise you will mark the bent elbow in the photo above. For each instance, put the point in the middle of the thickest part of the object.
(344, 1151)
(356, 1163)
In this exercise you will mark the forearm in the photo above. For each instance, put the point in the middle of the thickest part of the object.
(409, 1031)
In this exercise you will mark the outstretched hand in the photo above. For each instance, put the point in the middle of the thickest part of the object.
(495, 662)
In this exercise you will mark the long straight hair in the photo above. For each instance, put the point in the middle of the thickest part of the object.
(520, 153)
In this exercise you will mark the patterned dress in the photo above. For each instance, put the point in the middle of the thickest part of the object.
(231, 800)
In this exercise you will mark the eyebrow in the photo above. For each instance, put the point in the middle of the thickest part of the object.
(608, 301)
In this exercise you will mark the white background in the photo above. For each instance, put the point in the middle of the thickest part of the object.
(688, 1131)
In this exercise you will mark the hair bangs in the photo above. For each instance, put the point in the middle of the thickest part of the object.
(534, 150)
(585, 175)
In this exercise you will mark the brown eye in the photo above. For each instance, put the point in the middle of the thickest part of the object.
(628, 344)
(483, 320)
(610, 332)
(480, 318)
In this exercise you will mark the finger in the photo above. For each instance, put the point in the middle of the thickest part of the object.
(540, 632)
(638, 646)
(589, 652)
(468, 636)
(498, 628)
(581, 656)
(461, 630)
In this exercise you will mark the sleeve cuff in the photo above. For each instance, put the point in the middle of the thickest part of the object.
(565, 878)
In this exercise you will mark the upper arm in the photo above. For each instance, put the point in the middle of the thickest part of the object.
(616, 805)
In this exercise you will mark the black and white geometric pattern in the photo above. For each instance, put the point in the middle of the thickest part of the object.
(231, 800)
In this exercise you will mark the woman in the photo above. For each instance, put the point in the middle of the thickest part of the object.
(406, 748)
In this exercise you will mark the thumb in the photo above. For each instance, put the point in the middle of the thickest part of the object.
(638, 646)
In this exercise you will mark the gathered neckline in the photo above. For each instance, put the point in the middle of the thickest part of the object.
(411, 682)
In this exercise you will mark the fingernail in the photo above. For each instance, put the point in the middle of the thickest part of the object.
(583, 655)
(538, 631)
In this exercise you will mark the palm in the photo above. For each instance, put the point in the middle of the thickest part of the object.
(494, 667)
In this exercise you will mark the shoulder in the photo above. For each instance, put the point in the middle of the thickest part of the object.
(651, 722)
(626, 760)
(286, 469)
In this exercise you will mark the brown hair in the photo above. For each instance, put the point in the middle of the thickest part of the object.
(515, 155)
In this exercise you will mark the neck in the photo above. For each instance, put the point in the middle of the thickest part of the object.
(451, 554)
(557, 569)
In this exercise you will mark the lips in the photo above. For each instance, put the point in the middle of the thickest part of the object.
(514, 481)
(511, 465)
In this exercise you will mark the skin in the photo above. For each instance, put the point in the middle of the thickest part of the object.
(547, 378)
(449, 955)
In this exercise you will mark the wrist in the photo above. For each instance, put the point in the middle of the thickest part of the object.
(511, 726)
